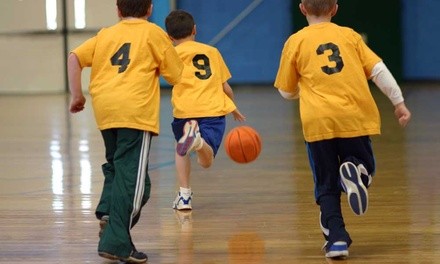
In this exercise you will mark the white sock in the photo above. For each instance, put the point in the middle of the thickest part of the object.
(185, 191)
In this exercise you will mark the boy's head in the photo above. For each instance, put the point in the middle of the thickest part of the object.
(134, 8)
(318, 7)
(179, 24)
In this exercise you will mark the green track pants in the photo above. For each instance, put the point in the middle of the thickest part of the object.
(126, 187)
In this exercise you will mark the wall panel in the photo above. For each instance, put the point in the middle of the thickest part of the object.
(31, 64)
(251, 49)
(421, 37)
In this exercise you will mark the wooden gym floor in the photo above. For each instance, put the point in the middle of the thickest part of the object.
(262, 212)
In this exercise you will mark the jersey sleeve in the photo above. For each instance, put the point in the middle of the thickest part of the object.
(172, 66)
(368, 58)
(287, 75)
(224, 71)
(85, 52)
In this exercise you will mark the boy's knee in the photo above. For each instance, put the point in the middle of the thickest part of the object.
(205, 163)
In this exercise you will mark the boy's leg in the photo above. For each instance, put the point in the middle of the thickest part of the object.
(147, 188)
(332, 220)
(353, 186)
(356, 171)
(145, 197)
(183, 168)
(324, 162)
(205, 155)
(359, 151)
(128, 194)
(190, 139)
(184, 132)
(103, 208)
(105, 217)
(184, 196)
(212, 130)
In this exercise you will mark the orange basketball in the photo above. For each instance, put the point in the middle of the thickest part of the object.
(243, 144)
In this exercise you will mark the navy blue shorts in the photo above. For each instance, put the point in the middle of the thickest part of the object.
(326, 156)
(211, 129)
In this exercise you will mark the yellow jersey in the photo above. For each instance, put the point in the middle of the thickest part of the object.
(200, 91)
(330, 65)
(127, 60)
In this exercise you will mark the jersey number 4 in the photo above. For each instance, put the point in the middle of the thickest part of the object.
(121, 58)
(335, 56)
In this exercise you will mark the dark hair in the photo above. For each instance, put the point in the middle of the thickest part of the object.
(133, 8)
(179, 24)
(319, 7)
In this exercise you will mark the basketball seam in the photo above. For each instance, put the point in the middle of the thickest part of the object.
(241, 147)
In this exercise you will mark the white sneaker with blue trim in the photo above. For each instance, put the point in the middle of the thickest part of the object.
(339, 249)
(182, 202)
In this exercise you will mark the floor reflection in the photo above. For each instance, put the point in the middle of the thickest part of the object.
(263, 212)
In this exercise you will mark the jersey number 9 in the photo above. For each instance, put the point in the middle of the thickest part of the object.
(201, 62)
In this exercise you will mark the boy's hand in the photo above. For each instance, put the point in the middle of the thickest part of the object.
(77, 104)
(238, 116)
(402, 113)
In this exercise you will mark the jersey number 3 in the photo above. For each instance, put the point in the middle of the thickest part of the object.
(334, 57)
(121, 57)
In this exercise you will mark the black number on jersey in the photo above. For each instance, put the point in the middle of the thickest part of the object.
(121, 58)
(335, 56)
(201, 62)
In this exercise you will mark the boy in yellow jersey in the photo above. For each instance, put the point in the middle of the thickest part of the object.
(200, 102)
(328, 67)
(126, 60)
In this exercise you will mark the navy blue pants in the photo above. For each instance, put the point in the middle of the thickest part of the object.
(325, 158)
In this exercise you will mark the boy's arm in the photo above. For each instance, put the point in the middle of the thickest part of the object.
(287, 77)
(236, 113)
(383, 79)
(289, 96)
(74, 70)
(228, 90)
(402, 113)
(172, 66)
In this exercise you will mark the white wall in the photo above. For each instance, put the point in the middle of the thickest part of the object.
(31, 64)
(32, 57)
(22, 16)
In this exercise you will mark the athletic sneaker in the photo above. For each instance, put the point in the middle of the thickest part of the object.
(339, 249)
(352, 184)
(191, 139)
(182, 202)
(102, 224)
(366, 178)
(135, 257)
